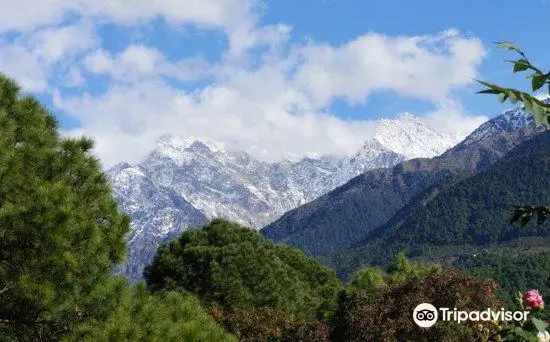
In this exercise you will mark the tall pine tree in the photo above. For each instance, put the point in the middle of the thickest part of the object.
(60, 229)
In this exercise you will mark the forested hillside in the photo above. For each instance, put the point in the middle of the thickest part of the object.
(474, 211)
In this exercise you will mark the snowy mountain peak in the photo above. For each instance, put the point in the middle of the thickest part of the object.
(117, 168)
(509, 121)
(183, 143)
(372, 144)
(408, 117)
(184, 150)
(411, 137)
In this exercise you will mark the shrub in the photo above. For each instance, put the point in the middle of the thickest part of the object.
(386, 315)
(267, 324)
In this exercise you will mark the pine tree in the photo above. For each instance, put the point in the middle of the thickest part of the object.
(60, 229)
(231, 266)
(134, 315)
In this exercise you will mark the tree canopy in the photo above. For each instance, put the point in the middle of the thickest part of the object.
(61, 232)
(60, 229)
(371, 279)
(135, 315)
(231, 266)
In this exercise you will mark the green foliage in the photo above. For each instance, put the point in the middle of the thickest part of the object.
(60, 229)
(512, 272)
(539, 109)
(136, 315)
(231, 266)
(474, 211)
(267, 324)
(386, 315)
(371, 279)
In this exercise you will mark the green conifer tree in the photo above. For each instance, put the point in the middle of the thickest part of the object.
(134, 315)
(60, 229)
(231, 266)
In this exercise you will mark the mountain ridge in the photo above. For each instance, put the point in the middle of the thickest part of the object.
(216, 182)
(473, 210)
(339, 219)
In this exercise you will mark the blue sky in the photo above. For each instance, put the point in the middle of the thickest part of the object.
(272, 77)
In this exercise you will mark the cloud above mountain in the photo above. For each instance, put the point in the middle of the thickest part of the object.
(265, 92)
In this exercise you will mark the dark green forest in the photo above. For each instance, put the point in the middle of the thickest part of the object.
(474, 211)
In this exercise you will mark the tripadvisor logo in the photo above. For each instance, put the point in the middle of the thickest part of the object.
(425, 315)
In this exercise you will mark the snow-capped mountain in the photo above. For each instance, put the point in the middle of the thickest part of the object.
(186, 181)
(410, 137)
(509, 121)
(158, 214)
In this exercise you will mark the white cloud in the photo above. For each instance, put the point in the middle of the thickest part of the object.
(424, 67)
(134, 61)
(237, 18)
(148, 109)
(27, 15)
(32, 57)
(74, 77)
(271, 102)
(138, 61)
(19, 63)
(55, 43)
(451, 118)
(269, 109)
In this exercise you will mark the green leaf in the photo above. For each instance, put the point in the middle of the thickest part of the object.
(538, 81)
(539, 324)
(489, 85)
(502, 97)
(521, 65)
(524, 334)
(528, 105)
(489, 91)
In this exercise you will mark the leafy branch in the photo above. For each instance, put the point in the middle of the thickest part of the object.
(532, 105)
